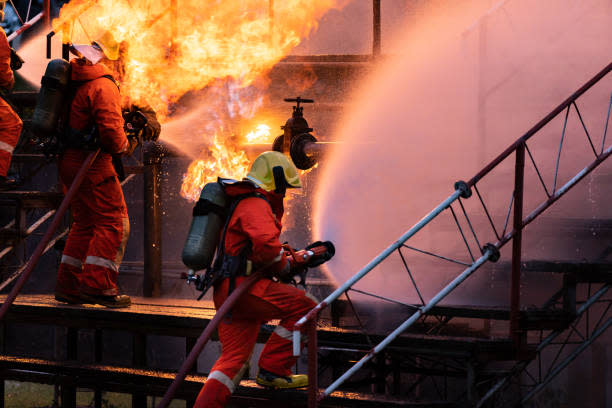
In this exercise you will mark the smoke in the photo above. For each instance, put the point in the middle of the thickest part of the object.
(471, 78)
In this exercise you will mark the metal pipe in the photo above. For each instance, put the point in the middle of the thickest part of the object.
(375, 27)
(313, 380)
(560, 192)
(416, 316)
(153, 227)
(515, 280)
(46, 9)
(40, 248)
(568, 360)
(207, 333)
(540, 125)
(315, 149)
(27, 25)
(49, 36)
(602, 291)
(373, 263)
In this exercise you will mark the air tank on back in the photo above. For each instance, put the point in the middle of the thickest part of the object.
(205, 230)
(52, 96)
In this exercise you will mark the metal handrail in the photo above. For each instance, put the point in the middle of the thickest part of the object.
(518, 147)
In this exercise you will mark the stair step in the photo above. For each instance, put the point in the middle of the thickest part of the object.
(29, 158)
(176, 317)
(156, 382)
(583, 272)
(31, 199)
(9, 235)
(533, 318)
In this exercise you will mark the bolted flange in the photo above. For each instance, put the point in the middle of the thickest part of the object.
(494, 251)
(463, 187)
(297, 151)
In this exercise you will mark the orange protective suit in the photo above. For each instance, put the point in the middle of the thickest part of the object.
(10, 124)
(257, 221)
(99, 233)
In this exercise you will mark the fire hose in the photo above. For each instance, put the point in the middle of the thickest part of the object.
(76, 183)
(316, 253)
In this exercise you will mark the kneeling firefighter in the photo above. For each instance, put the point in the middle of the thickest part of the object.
(250, 241)
(98, 236)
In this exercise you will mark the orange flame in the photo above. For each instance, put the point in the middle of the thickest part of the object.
(220, 161)
(261, 134)
(218, 50)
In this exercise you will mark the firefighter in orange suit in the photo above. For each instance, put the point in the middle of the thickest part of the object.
(94, 249)
(10, 124)
(256, 225)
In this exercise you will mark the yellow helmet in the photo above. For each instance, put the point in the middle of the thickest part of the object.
(273, 171)
(109, 46)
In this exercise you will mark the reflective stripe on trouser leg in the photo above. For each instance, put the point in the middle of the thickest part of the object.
(277, 355)
(69, 276)
(237, 341)
(104, 256)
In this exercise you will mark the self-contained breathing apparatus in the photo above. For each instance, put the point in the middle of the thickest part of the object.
(52, 111)
(205, 245)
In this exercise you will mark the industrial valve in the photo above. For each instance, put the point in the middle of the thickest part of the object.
(297, 139)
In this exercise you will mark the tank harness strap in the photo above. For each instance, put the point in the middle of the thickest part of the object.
(204, 207)
(234, 266)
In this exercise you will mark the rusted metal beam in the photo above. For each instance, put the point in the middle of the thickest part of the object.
(41, 247)
(540, 124)
(376, 27)
(153, 225)
(515, 281)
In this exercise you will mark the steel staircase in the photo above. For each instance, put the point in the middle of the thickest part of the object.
(424, 356)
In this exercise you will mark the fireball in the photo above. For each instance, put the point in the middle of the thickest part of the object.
(172, 47)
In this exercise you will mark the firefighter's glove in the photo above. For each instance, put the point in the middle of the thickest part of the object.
(16, 60)
(151, 128)
(134, 140)
(145, 119)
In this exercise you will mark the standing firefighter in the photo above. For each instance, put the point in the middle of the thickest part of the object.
(10, 124)
(99, 233)
(251, 242)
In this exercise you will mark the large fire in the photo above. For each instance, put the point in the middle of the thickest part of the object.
(223, 160)
(173, 47)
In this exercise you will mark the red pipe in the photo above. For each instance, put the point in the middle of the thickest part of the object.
(207, 333)
(313, 384)
(46, 11)
(76, 183)
(540, 125)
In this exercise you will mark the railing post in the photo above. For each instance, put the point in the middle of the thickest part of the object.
(313, 385)
(515, 283)
(152, 232)
(47, 13)
(376, 28)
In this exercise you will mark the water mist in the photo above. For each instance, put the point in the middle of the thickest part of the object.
(471, 79)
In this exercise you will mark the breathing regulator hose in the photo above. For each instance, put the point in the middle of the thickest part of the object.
(40, 248)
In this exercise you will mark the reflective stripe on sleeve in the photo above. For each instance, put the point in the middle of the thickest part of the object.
(223, 379)
(6, 147)
(103, 262)
(69, 260)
